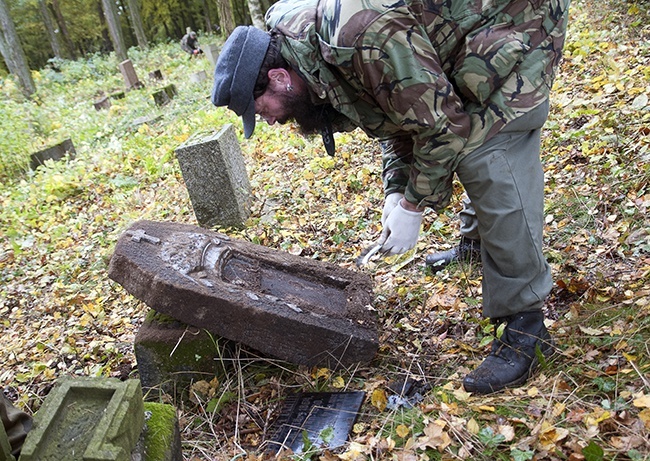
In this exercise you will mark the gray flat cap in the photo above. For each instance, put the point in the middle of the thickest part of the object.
(236, 73)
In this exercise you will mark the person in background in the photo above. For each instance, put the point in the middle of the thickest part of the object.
(455, 87)
(16, 424)
(190, 43)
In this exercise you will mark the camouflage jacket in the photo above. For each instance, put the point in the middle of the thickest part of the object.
(432, 79)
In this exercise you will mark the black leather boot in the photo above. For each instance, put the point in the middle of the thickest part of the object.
(466, 250)
(514, 356)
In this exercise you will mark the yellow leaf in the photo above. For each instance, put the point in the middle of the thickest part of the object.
(338, 383)
(487, 408)
(461, 395)
(378, 399)
(558, 409)
(402, 431)
(642, 402)
(473, 427)
(322, 373)
(533, 392)
(550, 435)
(644, 416)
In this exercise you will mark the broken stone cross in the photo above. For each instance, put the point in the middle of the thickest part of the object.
(215, 175)
(296, 309)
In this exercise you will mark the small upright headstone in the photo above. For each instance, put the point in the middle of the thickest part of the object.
(198, 77)
(216, 179)
(212, 52)
(103, 103)
(130, 77)
(155, 75)
(54, 153)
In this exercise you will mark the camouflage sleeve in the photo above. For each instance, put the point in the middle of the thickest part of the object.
(398, 62)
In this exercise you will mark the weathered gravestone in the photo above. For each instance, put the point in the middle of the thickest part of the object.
(215, 175)
(55, 153)
(164, 95)
(102, 103)
(212, 52)
(130, 77)
(296, 309)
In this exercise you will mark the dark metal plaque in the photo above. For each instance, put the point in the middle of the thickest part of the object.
(325, 418)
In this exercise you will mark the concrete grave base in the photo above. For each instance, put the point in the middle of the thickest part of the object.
(296, 309)
(171, 355)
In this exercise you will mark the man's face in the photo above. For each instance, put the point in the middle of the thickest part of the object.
(283, 106)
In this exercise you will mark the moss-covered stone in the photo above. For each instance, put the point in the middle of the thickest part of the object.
(171, 355)
(162, 439)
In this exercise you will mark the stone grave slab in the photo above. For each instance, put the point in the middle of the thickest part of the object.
(130, 77)
(296, 309)
(216, 179)
(87, 419)
(57, 152)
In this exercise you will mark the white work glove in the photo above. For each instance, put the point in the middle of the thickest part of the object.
(390, 202)
(401, 230)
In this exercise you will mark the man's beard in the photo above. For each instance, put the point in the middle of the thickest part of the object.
(311, 118)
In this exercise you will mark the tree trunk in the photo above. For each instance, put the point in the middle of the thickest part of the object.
(106, 38)
(226, 19)
(49, 27)
(257, 14)
(206, 15)
(136, 23)
(115, 29)
(60, 21)
(13, 52)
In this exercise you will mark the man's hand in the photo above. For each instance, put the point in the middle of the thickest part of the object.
(401, 229)
(390, 203)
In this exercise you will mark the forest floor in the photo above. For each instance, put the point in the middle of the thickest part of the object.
(61, 315)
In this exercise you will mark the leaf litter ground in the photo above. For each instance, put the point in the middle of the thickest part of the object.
(591, 401)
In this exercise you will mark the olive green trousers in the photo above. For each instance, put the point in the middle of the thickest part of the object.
(504, 181)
